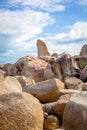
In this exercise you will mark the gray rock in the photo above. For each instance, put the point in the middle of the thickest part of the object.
(83, 50)
(75, 113)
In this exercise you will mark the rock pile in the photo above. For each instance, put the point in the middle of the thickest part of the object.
(45, 92)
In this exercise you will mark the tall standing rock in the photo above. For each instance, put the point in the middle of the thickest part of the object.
(20, 111)
(42, 48)
(83, 50)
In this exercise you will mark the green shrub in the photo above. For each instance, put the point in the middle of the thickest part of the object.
(82, 65)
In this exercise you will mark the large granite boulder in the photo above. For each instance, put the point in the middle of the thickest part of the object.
(73, 83)
(75, 113)
(46, 91)
(68, 65)
(31, 67)
(83, 50)
(42, 48)
(9, 85)
(20, 111)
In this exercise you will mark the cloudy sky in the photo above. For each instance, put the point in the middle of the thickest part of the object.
(62, 24)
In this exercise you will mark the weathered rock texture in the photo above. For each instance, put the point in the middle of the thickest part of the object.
(68, 65)
(9, 85)
(68, 91)
(83, 50)
(20, 111)
(83, 75)
(75, 114)
(48, 73)
(42, 48)
(24, 81)
(10, 69)
(2, 74)
(82, 61)
(59, 107)
(31, 67)
(51, 122)
(46, 91)
(73, 83)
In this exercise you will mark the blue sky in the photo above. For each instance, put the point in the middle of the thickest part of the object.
(62, 24)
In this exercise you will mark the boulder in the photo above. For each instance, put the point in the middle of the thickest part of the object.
(51, 122)
(61, 128)
(68, 91)
(57, 70)
(55, 55)
(24, 81)
(31, 67)
(48, 107)
(59, 107)
(83, 75)
(45, 58)
(10, 69)
(48, 73)
(2, 74)
(42, 48)
(75, 113)
(46, 91)
(1, 66)
(9, 85)
(84, 87)
(68, 65)
(20, 111)
(73, 83)
(83, 50)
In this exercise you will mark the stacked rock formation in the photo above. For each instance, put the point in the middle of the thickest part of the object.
(46, 92)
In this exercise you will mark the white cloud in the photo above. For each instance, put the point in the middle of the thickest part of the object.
(76, 31)
(17, 29)
(46, 5)
(23, 25)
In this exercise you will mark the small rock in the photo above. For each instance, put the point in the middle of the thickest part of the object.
(24, 81)
(73, 83)
(59, 107)
(51, 122)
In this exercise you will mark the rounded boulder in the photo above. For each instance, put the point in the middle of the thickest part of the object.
(75, 113)
(20, 111)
